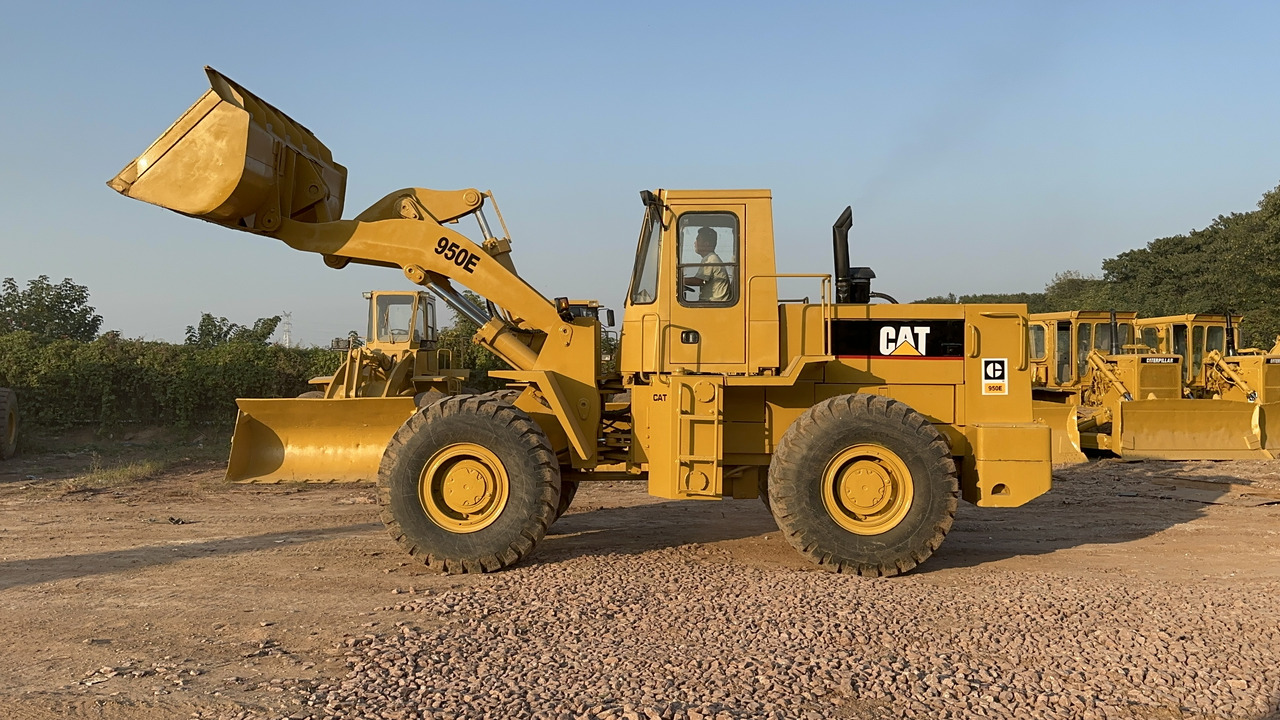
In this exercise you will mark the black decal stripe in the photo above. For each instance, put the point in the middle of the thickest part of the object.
(901, 357)
(861, 338)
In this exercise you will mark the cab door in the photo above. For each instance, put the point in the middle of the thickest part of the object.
(707, 327)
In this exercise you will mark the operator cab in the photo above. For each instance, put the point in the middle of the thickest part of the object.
(591, 309)
(703, 294)
(1059, 343)
(1191, 337)
(401, 320)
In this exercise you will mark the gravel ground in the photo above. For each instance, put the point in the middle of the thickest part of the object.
(683, 633)
(1130, 591)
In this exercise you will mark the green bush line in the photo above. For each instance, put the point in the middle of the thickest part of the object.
(111, 380)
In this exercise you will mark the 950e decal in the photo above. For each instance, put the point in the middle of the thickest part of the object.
(995, 376)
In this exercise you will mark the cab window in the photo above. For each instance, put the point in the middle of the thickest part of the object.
(644, 281)
(1217, 339)
(393, 316)
(1102, 336)
(1037, 341)
(1062, 348)
(1151, 338)
(1197, 348)
(708, 259)
(1180, 348)
(1083, 345)
(424, 329)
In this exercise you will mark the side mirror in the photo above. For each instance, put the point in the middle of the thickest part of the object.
(608, 315)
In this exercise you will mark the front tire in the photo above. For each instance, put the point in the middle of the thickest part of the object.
(863, 484)
(469, 484)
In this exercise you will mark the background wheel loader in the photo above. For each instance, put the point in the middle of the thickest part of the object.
(1101, 389)
(380, 383)
(864, 424)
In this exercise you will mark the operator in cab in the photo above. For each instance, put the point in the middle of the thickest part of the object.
(712, 279)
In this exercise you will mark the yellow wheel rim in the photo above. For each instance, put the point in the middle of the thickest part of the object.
(867, 489)
(463, 488)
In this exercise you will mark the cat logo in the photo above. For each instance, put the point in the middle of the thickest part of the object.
(898, 338)
(995, 376)
(904, 341)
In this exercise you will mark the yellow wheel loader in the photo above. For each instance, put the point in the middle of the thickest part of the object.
(380, 383)
(8, 423)
(1101, 389)
(862, 423)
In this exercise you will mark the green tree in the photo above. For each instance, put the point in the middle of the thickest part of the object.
(1071, 290)
(52, 312)
(1035, 302)
(1231, 265)
(214, 331)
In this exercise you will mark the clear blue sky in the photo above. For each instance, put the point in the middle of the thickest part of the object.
(984, 146)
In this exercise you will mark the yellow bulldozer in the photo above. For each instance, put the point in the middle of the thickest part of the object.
(1217, 368)
(383, 379)
(862, 423)
(1103, 383)
(1214, 364)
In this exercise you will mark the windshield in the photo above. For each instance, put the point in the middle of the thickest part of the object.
(1102, 337)
(644, 283)
(393, 316)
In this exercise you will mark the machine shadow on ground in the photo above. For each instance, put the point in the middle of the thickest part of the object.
(1099, 503)
(656, 525)
(34, 571)
(1103, 502)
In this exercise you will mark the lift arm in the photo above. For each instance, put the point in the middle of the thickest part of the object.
(237, 161)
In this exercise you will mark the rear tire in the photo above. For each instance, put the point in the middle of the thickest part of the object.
(863, 484)
(8, 423)
(469, 484)
(568, 489)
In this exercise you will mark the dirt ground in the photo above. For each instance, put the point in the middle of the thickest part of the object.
(173, 594)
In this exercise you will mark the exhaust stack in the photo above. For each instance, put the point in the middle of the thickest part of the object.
(853, 284)
(840, 239)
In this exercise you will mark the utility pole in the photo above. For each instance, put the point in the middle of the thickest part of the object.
(286, 335)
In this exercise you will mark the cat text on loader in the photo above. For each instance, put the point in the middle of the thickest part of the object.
(1099, 389)
(862, 424)
(380, 383)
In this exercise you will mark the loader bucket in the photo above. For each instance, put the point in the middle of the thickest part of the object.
(313, 440)
(1180, 429)
(235, 160)
(1064, 430)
